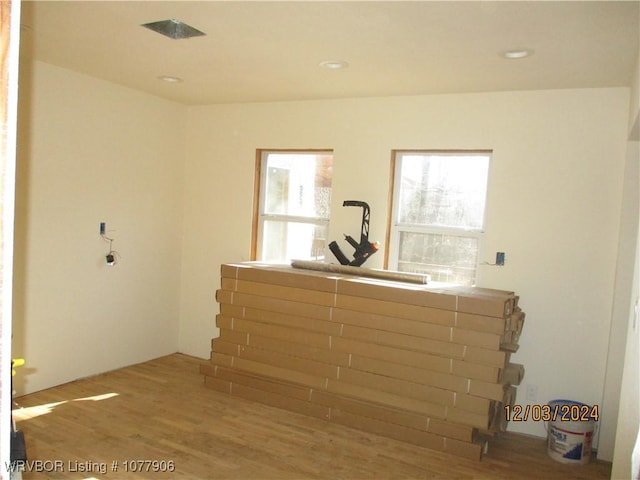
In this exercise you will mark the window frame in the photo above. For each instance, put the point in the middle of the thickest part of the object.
(259, 217)
(394, 228)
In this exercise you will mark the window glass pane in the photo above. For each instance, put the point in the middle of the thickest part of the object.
(294, 187)
(443, 190)
(447, 258)
(298, 184)
(284, 241)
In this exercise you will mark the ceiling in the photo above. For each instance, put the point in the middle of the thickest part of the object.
(256, 51)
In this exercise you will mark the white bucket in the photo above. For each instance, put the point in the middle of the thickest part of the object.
(570, 432)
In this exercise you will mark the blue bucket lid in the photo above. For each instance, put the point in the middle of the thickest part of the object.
(566, 402)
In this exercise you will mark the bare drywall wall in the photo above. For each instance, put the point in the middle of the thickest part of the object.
(90, 151)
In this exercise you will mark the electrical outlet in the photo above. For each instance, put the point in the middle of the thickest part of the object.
(500, 258)
(103, 228)
(532, 393)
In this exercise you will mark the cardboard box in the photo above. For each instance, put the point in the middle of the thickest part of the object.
(392, 324)
(485, 357)
(219, 345)
(409, 342)
(491, 306)
(512, 374)
(286, 361)
(309, 352)
(495, 292)
(470, 403)
(509, 347)
(320, 312)
(385, 398)
(222, 359)
(444, 383)
(464, 417)
(370, 410)
(399, 310)
(295, 321)
(217, 384)
(208, 368)
(397, 386)
(397, 292)
(280, 401)
(228, 270)
(481, 323)
(470, 450)
(231, 310)
(393, 415)
(295, 294)
(486, 373)
(490, 341)
(392, 354)
(224, 322)
(500, 422)
(231, 336)
(278, 373)
(228, 284)
(493, 391)
(224, 296)
(515, 321)
(398, 432)
(284, 275)
(260, 383)
(510, 395)
(481, 292)
(496, 412)
(288, 334)
(451, 430)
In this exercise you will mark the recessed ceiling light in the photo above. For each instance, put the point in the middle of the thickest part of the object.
(174, 29)
(170, 79)
(334, 64)
(517, 53)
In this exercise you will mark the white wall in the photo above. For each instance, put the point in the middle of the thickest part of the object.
(623, 297)
(625, 316)
(91, 151)
(554, 205)
(634, 104)
(628, 417)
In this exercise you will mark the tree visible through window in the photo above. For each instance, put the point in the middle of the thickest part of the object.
(293, 205)
(438, 213)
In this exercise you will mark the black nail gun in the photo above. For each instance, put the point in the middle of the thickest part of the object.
(365, 248)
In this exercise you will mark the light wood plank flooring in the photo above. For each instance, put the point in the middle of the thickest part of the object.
(160, 410)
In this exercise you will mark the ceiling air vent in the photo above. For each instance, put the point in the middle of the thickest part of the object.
(174, 29)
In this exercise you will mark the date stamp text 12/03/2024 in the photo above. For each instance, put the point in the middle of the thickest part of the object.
(552, 413)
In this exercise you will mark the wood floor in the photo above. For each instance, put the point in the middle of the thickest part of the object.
(160, 411)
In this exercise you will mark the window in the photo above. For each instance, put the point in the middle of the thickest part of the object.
(437, 216)
(293, 200)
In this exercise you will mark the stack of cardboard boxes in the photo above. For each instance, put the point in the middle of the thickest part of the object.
(422, 364)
